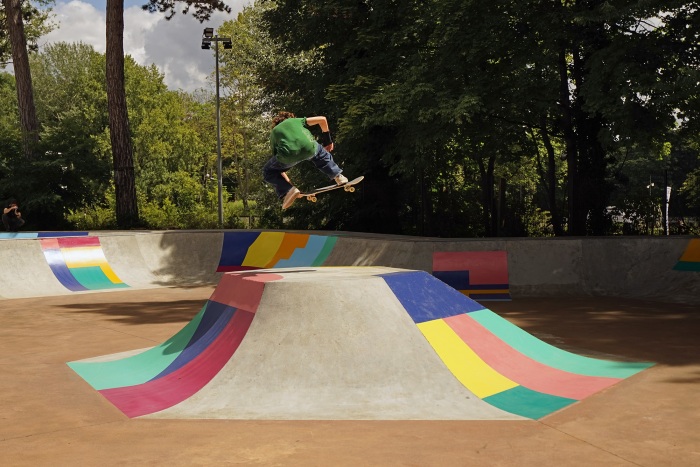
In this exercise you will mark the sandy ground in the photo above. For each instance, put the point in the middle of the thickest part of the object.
(51, 417)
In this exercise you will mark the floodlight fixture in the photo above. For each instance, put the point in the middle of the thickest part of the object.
(228, 44)
(208, 33)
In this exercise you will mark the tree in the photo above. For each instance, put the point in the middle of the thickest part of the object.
(122, 151)
(14, 23)
(36, 24)
(247, 131)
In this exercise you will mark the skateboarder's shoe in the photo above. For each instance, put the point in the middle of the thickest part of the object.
(340, 179)
(290, 197)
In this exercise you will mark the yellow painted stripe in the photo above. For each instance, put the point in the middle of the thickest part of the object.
(111, 275)
(263, 249)
(83, 257)
(463, 362)
(692, 251)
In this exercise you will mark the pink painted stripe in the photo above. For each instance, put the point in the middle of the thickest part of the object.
(49, 244)
(72, 242)
(242, 290)
(159, 394)
(522, 369)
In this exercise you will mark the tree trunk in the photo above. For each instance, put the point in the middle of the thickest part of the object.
(23, 78)
(551, 178)
(487, 195)
(567, 125)
(120, 137)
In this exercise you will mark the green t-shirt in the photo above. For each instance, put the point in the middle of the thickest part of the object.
(292, 142)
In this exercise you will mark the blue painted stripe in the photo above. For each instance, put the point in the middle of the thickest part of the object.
(235, 247)
(57, 263)
(62, 234)
(426, 298)
(304, 256)
(455, 279)
(215, 318)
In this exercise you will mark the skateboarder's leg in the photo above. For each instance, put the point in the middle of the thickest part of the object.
(323, 161)
(274, 174)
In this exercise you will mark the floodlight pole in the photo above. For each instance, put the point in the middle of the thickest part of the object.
(219, 166)
(207, 38)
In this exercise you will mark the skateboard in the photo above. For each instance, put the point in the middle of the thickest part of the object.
(349, 187)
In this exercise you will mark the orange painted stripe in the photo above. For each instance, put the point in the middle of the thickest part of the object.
(692, 251)
(290, 243)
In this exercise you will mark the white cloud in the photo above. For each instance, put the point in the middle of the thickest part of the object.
(173, 46)
(78, 22)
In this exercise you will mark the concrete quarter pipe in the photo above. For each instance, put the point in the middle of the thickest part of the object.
(347, 343)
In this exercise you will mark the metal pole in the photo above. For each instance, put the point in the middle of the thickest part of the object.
(218, 141)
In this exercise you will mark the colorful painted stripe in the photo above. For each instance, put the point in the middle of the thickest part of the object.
(494, 359)
(690, 260)
(11, 235)
(80, 264)
(163, 392)
(426, 298)
(547, 354)
(480, 275)
(167, 374)
(260, 250)
(497, 361)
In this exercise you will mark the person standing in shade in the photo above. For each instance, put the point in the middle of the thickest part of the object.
(291, 143)
(11, 217)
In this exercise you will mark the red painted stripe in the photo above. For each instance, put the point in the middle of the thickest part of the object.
(72, 242)
(165, 392)
(242, 290)
(522, 369)
(236, 268)
(485, 267)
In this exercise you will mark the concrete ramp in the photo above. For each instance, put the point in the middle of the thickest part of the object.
(347, 343)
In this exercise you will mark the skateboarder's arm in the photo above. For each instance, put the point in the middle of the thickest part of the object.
(321, 121)
(326, 140)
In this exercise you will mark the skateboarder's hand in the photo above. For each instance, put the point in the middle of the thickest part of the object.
(330, 147)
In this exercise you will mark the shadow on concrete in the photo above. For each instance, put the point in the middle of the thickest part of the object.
(156, 312)
(191, 260)
(612, 328)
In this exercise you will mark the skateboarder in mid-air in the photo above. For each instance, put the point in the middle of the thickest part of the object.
(291, 143)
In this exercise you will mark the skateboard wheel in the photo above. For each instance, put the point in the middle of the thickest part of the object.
(350, 189)
(312, 199)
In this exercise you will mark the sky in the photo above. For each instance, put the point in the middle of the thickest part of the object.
(173, 46)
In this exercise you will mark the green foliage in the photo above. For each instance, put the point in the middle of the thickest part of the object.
(467, 119)
(37, 22)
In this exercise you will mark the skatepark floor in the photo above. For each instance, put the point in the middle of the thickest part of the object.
(51, 416)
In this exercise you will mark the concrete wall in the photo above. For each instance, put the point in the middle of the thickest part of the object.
(616, 266)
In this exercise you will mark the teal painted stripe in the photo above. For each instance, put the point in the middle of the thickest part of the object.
(93, 278)
(546, 354)
(139, 368)
(325, 251)
(687, 266)
(528, 403)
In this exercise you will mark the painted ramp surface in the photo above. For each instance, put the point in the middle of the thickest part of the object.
(347, 343)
